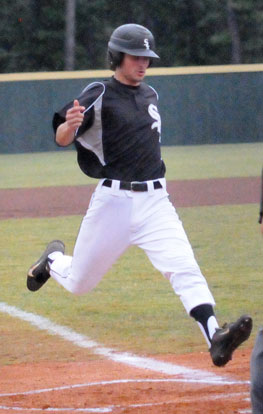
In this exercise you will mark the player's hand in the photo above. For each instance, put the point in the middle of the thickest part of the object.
(75, 115)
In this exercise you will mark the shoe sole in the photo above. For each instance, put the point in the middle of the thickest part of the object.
(32, 283)
(240, 332)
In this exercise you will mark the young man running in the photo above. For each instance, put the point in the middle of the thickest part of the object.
(116, 128)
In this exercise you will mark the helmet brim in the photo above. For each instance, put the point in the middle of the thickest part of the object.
(134, 52)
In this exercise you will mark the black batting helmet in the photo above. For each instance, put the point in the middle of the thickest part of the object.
(132, 39)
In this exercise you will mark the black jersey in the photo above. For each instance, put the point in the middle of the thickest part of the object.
(120, 134)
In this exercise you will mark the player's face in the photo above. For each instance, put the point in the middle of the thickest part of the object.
(132, 70)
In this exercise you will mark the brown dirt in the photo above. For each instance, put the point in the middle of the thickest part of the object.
(97, 385)
(106, 386)
(73, 200)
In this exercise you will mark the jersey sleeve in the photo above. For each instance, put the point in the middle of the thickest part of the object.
(87, 98)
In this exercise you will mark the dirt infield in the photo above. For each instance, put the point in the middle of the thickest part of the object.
(102, 385)
(108, 387)
(60, 201)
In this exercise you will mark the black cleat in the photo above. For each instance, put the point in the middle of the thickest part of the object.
(228, 338)
(38, 273)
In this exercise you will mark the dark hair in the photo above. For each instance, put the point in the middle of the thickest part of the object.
(114, 59)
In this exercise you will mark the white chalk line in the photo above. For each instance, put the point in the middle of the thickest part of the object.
(126, 358)
(62, 410)
(130, 406)
(189, 400)
(113, 382)
(42, 323)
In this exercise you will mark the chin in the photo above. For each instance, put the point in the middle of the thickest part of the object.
(139, 78)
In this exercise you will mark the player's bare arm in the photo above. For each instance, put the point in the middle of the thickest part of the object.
(74, 118)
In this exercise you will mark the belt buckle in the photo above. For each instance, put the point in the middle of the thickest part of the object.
(138, 186)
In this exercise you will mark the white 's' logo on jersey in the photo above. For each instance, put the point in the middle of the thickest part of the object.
(146, 44)
(153, 111)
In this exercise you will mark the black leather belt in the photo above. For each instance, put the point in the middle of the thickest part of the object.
(133, 186)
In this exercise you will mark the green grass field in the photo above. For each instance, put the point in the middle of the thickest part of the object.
(183, 163)
(225, 239)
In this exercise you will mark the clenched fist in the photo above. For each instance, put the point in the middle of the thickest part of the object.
(75, 115)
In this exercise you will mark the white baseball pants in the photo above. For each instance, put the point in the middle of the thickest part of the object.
(117, 219)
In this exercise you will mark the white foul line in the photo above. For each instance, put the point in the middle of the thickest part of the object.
(61, 410)
(115, 382)
(83, 341)
(111, 408)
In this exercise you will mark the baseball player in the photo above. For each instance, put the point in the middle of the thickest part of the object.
(256, 361)
(116, 128)
(256, 374)
(260, 219)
